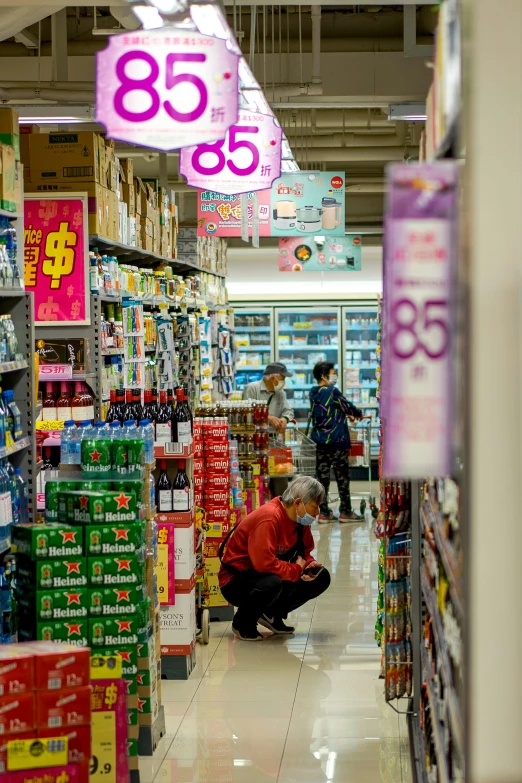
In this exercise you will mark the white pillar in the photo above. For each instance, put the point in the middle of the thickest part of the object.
(493, 197)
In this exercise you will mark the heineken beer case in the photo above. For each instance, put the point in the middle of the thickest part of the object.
(115, 570)
(47, 574)
(73, 632)
(113, 631)
(117, 539)
(54, 604)
(86, 508)
(112, 601)
(49, 541)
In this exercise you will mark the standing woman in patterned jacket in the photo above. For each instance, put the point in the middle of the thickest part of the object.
(330, 414)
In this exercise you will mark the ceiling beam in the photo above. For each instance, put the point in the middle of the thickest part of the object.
(27, 39)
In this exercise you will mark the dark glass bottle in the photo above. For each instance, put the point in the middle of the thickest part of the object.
(181, 496)
(164, 421)
(181, 420)
(163, 489)
(187, 408)
(129, 414)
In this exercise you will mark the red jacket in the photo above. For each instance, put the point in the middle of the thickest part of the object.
(260, 538)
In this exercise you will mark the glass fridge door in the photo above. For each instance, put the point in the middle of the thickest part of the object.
(254, 341)
(361, 361)
(305, 336)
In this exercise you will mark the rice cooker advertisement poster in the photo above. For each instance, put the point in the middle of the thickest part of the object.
(325, 253)
(299, 203)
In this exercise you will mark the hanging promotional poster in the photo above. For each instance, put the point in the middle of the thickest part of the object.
(298, 203)
(320, 254)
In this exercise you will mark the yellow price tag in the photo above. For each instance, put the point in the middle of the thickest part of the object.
(162, 571)
(106, 667)
(103, 756)
(49, 426)
(37, 753)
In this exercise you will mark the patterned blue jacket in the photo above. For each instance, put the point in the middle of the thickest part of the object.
(330, 411)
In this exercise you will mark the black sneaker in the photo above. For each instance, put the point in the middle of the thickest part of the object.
(275, 624)
(251, 635)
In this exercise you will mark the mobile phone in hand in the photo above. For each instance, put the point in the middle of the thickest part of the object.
(314, 570)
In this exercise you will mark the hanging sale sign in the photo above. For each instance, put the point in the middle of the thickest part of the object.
(166, 88)
(419, 284)
(248, 158)
(56, 258)
(320, 254)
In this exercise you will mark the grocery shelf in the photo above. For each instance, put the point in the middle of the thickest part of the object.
(133, 254)
(438, 728)
(309, 347)
(254, 347)
(252, 328)
(446, 553)
(362, 328)
(112, 352)
(11, 292)
(12, 366)
(307, 330)
(443, 660)
(13, 215)
(19, 445)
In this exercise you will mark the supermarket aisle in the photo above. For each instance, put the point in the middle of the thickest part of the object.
(302, 709)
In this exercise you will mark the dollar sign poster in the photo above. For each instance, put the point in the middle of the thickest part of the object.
(56, 258)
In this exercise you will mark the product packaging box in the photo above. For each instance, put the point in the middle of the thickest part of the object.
(8, 187)
(73, 632)
(90, 507)
(70, 773)
(115, 570)
(19, 187)
(16, 669)
(63, 708)
(66, 156)
(178, 625)
(17, 713)
(128, 654)
(3, 747)
(54, 604)
(113, 539)
(46, 574)
(115, 601)
(48, 541)
(114, 631)
(9, 129)
(78, 741)
(109, 728)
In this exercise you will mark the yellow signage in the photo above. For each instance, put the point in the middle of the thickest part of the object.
(106, 667)
(37, 753)
(49, 426)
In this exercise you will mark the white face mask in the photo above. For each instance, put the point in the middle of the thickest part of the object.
(332, 379)
(278, 385)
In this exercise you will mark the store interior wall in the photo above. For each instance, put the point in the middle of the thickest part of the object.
(253, 274)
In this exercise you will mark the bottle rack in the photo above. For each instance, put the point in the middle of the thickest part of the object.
(18, 376)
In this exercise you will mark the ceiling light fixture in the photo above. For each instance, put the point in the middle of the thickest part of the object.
(408, 112)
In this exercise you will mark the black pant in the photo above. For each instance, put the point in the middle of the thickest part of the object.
(328, 458)
(255, 594)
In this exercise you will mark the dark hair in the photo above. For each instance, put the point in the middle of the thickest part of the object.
(321, 369)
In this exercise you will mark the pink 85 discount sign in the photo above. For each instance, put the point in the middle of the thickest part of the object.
(166, 88)
(247, 159)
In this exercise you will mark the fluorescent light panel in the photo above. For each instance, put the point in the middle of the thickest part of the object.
(409, 112)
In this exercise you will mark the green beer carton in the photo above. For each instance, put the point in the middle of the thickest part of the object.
(131, 687)
(52, 490)
(87, 508)
(51, 574)
(111, 601)
(128, 456)
(132, 717)
(115, 570)
(96, 457)
(112, 631)
(118, 539)
(70, 631)
(128, 655)
(136, 486)
(49, 541)
(132, 747)
(59, 604)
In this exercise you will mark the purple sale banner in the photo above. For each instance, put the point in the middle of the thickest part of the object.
(419, 290)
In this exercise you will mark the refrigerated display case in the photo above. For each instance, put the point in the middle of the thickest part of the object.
(361, 361)
(305, 336)
(254, 340)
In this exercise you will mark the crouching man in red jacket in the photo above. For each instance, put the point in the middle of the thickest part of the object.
(267, 569)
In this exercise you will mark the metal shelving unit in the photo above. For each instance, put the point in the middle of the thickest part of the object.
(253, 324)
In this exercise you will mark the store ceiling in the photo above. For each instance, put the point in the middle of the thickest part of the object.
(333, 107)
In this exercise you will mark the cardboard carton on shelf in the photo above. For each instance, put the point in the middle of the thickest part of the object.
(97, 200)
(8, 190)
(127, 169)
(9, 129)
(67, 156)
(19, 186)
(25, 132)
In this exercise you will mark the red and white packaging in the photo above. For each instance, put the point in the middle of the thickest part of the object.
(198, 465)
(197, 429)
(217, 514)
(72, 773)
(17, 713)
(217, 449)
(217, 481)
(3, 747)
(218, 465)
(198, 482)
(198, 449)
(217, 497)
(198, 499)
(16, 669)
(79, 741)
(216, 430)
(63, 708)
(59, 665)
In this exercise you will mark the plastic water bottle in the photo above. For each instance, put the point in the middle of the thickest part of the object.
(13, 492)
(23, 497)
(101, 430)
(66, 439)
(146, 432)
(152, 485)
(5, 607)
(76, 442)
(86, 430)
(115, 430)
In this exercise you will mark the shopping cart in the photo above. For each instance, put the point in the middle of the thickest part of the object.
(360, 457)
(291, 453)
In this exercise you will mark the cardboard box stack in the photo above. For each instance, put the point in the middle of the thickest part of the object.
(122, 208)
(85, 576)
(11, 169)
(209, 253)
(45, 693)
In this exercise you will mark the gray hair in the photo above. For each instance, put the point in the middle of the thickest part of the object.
(304, 487)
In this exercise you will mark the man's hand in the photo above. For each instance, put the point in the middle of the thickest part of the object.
(301, 562)
(279, 425)
(310, 577)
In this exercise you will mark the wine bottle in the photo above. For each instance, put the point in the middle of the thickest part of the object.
(187, 408)
(164, 421)
(49, 404)
(163, 489)
(181, 489)
(63, 403)
(181, 419)
(129, 413)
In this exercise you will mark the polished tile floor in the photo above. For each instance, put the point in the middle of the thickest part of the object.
(301, 709)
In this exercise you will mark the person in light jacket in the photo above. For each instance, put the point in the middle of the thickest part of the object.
(330, 414)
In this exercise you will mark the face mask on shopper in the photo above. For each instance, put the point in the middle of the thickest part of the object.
(332, 379)
(307, 519)
(278, 385)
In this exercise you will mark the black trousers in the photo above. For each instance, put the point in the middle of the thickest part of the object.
(337, 459)
(255, 594)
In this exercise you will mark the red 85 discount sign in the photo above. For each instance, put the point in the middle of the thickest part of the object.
(247, 159)
(166, 88)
